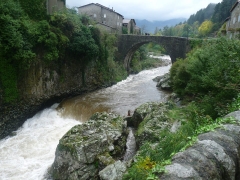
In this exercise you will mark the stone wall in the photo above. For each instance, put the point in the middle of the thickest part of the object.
(41, 86)
(233, 24)
(55, 5)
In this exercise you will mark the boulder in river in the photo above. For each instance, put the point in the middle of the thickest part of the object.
(164, 82)
(88, 148)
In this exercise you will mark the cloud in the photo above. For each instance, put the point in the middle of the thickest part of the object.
(151, 9)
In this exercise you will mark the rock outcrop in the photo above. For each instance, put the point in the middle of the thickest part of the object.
(164, 82)
(150, 119)
(216, 155)
(114, 171)
(42, 85)
(88, 148)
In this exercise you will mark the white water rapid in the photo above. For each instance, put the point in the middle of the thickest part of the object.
(28, 154)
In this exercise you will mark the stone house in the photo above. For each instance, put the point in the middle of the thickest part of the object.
(233, 23)
(130, 25)
(55, 5)
(105, 17)
(137, 30)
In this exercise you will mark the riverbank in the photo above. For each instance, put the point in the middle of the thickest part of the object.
(45, 129)
(43, 85)
(162, 130)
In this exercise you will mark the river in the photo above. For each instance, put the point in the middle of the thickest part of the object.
(29, 153)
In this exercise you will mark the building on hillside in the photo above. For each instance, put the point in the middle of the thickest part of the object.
(55, 5)
(130, 25)
(105, 17)
(137, 30)
(233, 23)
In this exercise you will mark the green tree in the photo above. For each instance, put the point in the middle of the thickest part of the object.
(205, 28)
(210, 74)
(124, 30)
(16, 43)
(35, 9)
(83, 47)
(195, 27)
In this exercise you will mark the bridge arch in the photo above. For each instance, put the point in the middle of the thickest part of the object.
(176, 47)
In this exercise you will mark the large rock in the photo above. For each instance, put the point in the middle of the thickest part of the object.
(164, 82)
(88, 148)
(114, 171)
(158, 78)
(216, 155)
(141, 112)
(150, 119)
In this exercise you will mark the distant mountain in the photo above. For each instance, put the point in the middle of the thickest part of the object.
(150, 26)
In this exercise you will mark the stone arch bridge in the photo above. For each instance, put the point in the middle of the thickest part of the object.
(176, 47)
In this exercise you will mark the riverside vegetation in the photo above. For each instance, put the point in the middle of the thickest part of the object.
(29, 35)
(208, 82)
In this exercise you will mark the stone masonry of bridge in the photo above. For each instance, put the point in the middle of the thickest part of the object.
(176, 47)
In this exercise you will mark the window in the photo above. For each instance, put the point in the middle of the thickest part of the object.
(118, 17)
(104, 16)
(117, 23)
(94, 15)
(239, 18)
(234, 20)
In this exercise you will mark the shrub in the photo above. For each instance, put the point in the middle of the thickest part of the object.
(210, 73)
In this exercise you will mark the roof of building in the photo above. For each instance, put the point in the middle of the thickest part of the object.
(126, 21)
(136, 27)
(228, 18)
(234, 5)
(97, 4)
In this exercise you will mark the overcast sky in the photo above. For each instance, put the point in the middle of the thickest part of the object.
(150, 9)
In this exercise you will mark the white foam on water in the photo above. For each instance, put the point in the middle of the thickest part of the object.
(28, 154)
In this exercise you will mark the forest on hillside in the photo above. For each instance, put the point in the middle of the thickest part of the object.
(205, 22)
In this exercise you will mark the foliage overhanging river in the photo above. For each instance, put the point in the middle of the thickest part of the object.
(29, 153)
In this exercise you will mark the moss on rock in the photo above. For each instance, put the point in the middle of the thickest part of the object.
(88, 144)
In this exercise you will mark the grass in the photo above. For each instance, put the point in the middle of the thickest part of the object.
(153, 156)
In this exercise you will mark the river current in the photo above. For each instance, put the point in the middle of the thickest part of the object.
(31, 151)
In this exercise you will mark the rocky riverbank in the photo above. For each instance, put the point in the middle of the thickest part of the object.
(215, 155)
(43, 85)
(94, 150)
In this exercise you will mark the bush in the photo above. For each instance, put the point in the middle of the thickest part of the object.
(179, 77)
(210, 74)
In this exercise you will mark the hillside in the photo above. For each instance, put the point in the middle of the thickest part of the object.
(202, 14)
(150, 26)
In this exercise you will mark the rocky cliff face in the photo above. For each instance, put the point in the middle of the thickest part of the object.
(42, 85)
